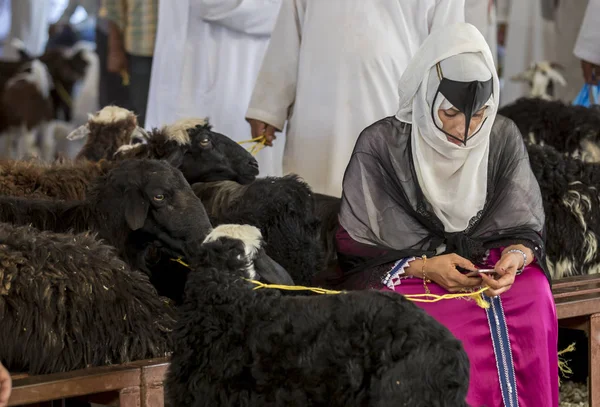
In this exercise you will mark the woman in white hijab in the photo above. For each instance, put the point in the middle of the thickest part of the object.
(442, 190)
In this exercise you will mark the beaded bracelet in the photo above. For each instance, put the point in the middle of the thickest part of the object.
(519, 271)
(425, 279)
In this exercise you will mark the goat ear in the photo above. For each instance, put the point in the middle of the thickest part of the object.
(79, 132)
(136, 209)
(270, 270)
(175, 157)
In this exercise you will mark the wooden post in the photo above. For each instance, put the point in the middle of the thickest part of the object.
(594, 347)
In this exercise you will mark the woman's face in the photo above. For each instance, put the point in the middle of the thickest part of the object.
(453, 122)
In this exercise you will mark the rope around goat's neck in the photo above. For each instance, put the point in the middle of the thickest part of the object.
(475, 295)
(260, 143)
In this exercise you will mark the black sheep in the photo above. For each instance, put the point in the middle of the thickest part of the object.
(137, 206)
(283, 208)
(67, 302)
(236, 346)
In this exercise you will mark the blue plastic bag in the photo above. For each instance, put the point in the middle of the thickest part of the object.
(588, 96)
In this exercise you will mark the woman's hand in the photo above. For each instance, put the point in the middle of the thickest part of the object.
(262, 129)
(506, 269)
(5, 386)
(442, 270)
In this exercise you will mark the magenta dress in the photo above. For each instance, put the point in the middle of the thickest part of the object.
(512, 346)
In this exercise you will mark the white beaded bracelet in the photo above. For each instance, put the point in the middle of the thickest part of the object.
(519, 271)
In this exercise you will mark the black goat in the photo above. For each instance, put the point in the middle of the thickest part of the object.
(573, 130)
(137, 205)
(67, 302)
(234, 345)
(200, 153)
(283, 208)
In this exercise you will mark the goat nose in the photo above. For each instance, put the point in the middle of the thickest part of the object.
(253, 163)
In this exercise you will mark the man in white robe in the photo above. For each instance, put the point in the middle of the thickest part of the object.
(587, 47)
(482, 14)
(207, 57)
(332, 69)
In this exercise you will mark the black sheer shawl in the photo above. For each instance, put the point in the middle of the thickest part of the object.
(383, 206)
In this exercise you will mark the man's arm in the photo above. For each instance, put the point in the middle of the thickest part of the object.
(115, 14)
(275, 89)
(587, 47)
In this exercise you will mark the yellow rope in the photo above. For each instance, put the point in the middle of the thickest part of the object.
(63, 94)
(563, 366)
(260, 143)
(476, 295)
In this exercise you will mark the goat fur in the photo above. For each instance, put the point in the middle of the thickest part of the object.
(282, 208)
(234, 345)
(572, 130)
(572, 207)
(120, 208)
(67, 302)
(68, 180)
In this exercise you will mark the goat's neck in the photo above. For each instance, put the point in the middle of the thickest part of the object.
(219, 287)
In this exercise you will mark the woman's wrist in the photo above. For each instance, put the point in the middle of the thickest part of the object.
(415, 268)
(523, 254)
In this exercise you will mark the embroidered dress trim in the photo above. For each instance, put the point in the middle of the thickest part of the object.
(502, 351)
(393, 277)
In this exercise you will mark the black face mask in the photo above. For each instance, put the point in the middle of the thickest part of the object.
(467, 97)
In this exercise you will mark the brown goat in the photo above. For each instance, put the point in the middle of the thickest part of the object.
(107, 130)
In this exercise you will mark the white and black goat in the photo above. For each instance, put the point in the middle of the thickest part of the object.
(542, 78)
(67, 302)
(34, 92)
(282, 208)
(25, 106)
(234, 345)
(571, 201)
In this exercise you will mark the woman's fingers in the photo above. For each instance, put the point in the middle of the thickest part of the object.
(460, 280)
(462, 262)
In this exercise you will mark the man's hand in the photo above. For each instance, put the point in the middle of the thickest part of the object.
(261, 128)
(117, 61)
(589, 72)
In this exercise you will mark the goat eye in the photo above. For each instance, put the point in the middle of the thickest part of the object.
(205, 142)
(159, 197)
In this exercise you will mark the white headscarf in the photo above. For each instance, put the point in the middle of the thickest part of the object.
(453, 178)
